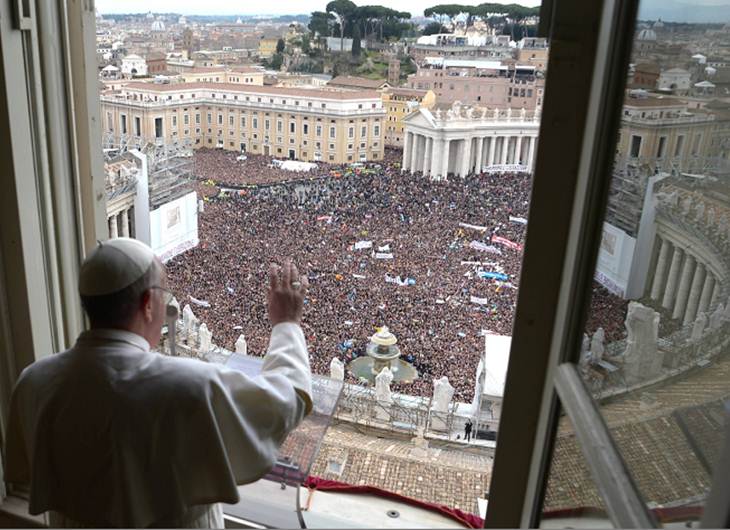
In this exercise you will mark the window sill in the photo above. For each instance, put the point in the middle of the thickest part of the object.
(14, 514)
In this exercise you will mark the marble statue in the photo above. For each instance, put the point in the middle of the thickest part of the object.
(205, 339)
(484, 113)
(523, 113)
(242, 345)
(698, 328)
(190, 321)
(382, 385)
(642, 358)
(538, 112)
(687, 205)
(438, 114)
(201, 206)
(598, 347)
(585, 350)
(700, 217)
(443, 392)
(717, 317)
(496, 114)
(337, 369)
(509, 112)
(450, 114)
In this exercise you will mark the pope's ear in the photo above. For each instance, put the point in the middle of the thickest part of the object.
(146, 304)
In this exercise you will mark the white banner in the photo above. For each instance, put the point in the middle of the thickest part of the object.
(520, 220)
(382, 255)
(363, 244)
(507, 168)
(478, 245)
(399, 281)
(386, 248)
(358, 276)
(473, 227)
(477, 300)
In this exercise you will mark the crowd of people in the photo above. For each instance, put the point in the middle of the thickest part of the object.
(438, 262)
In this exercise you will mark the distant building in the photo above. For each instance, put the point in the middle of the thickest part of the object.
(399, 103)
(533, 51)
(394, 70)
(357, 83)
(245, 75)
(335, 44)
(267, 48)
(646, 75)
(674, 80)
(480, 82)
(156, 63)
(304, 124)
(134, 65)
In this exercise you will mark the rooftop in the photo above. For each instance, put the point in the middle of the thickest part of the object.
(234, 87)
(356, 82)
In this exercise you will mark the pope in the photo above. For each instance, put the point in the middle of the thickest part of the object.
(113, 434)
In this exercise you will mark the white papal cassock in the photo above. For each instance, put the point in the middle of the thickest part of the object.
(111, 434)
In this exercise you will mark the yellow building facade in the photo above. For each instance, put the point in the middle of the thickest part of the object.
(302, 124)
(399, 103)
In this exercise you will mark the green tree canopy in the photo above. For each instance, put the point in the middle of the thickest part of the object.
(280, 45)
(356, 47)
(319, 23)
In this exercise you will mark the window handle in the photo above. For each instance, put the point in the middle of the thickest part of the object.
(22, 20)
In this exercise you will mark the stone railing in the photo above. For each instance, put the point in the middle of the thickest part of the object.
(460, 115)
(681, 354)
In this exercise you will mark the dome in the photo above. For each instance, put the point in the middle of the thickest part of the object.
(647, 35)
(150, 15)
(158, 25)
(710, 71)
(658, 24)
(182, 20)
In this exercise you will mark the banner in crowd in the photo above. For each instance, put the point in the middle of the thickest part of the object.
(506, 242)
(201, 303)
(383, 255)
(520, 220)
(385, 248)
(493, 276)
(473, 227)
(400, 281)
(358, 276)
(326, 218)
(363, 244)
(477, 300)
(506, 168)
(478, 245)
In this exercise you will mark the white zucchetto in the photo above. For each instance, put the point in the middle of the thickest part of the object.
(114, 265)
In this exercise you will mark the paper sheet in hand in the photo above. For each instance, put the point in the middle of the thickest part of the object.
(300, 448)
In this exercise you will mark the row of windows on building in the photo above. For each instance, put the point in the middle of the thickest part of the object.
(231, 122)
(661, 152)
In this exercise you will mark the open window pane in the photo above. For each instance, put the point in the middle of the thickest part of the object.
(655, 350)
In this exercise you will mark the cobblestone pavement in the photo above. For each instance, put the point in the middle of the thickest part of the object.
(444, 473)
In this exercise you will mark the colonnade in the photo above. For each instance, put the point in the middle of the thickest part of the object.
(437, 157)
(120, 223)
(682, 283)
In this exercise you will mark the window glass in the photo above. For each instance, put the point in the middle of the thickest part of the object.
(655, 352)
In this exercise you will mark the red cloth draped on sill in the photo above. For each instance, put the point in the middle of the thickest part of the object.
(467, 519)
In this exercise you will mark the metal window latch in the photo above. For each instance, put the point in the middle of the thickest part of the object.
(22, 19)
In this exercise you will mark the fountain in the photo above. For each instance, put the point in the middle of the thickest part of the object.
(383, 352)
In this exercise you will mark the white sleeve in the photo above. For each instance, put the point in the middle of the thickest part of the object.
(287, 355)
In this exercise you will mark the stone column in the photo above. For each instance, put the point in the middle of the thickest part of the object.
(465, 157)
(407, 146)
(428, 159)
(478, 161)
(518, 150)
(671, 287)
(485, 151)
(661, 269)
(684, 283)
(505, 149)
(706, 293)
(695, 291)
(492, 150)
(113, 230)
(125, 223)
(436, 159)
(414, 153)
(446, 155)
(715, 298)
(531, 152)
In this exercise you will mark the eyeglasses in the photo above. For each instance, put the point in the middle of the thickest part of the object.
(168, 294)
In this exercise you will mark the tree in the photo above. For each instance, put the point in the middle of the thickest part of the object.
(319, 23)
(342, 10)
(276, 61)
(306, 45)
(434, 28)
(280, 46)
(356, 41)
